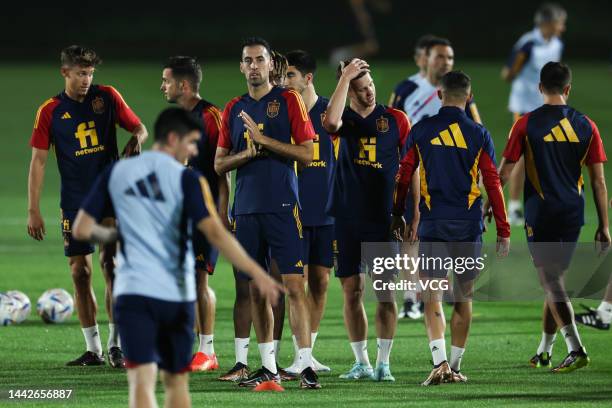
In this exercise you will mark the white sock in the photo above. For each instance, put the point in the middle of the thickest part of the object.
(384, 351)
(296, 357)
(605, 312)
(277, 344)
(207, 345)
(268, 359)
(514, 205)
(113, 336)
(438, 351)
(313, 338)
(304, 358)
(456, 356)
(360, 350)
(572, 339)
(241, 348)
(546, 344)
(92, 339)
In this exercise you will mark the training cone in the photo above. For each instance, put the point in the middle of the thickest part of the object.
(269, 386)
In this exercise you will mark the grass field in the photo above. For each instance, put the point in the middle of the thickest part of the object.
(504, 335)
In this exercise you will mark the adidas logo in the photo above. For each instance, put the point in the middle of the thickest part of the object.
(435, 348)
(299, 264)
(451, 139)
(66, 116)
(568, 134)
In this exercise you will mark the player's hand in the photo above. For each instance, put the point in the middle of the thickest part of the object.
(602, 240)
(132, 148)
(398, 227)
(352, 70)
(36, 225)
(487, 214)
(268, 288)
(252, 128)
(224, 217)
(411, 235)
(503, 246)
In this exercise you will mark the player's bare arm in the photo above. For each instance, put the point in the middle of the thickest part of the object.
(134, 145)
(415, 190)
(509, 73)
(600, 196)
(301, 153)
(224, 161)
(36, 224)
(220, 237)
(223, 202)
(337, 102)
(86, 228)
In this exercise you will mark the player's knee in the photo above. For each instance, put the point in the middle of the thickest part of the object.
(294, 289)
(174, 381)
(81, 272)
(353, 295)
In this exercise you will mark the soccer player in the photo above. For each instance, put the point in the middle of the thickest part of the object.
(314, 182)
(372, 138)
(154, 196)
(534, 49)
(449, 143)
(556, 141)
(181, 79)
(269, 130)
(80, 123)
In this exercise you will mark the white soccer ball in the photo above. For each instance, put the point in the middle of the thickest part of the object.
(55, 306)
(9, 308)
(25, 306)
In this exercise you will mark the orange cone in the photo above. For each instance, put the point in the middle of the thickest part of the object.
(269, 386)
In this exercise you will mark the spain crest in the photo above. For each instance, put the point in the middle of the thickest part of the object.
(273, 109)
(98, 105)
(382, 124)
(323, 117)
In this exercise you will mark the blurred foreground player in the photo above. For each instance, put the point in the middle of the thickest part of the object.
(534, 49)
(372, 138)
(181, 79)
(557, 141)
(154, 197)
(80, 123)
(451, 152)
(268, 130)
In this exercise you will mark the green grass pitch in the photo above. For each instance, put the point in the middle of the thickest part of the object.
(504, 335)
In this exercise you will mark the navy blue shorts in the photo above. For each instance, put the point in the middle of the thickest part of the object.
(436, 254)
(319, 245)
(550, 246)
(206, 255)
(155, 331)
(349, 235)
(277, 236)
(72, 247)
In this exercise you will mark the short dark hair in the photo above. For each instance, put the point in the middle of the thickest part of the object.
(549, 12)
(555, 76)
(184, 67)
(302, 61)
(174, 120)
(456, 84)
(279, 67)
(423, 42)
(253, 41)
(345, 63)
(434, 42)
(79, 55)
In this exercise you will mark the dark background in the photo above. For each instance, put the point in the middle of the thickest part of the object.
(212, 30)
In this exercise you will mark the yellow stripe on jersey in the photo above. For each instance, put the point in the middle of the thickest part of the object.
(336, 143)
(558, 134)
(207, 197)
(45, 103)
(549, 138)
(423, 178)
(569, 131)
(458, 135)
(216, 114)
(118, 94)
(530, 169)
(580, 179)
(300, 102)
(298, 222)
(446, 138)
(475, 190)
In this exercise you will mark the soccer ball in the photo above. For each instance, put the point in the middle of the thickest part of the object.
(8, 309)
(55, 306)
(25, 306)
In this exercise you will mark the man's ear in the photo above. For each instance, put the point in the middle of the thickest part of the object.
(64, 71)
(440, 94)
(566, 90)
(541, 88)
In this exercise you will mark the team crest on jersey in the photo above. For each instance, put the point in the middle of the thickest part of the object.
(98, 105)
(382, 124)
(323, 117)
(273, 109)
